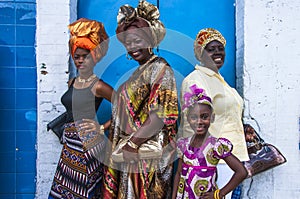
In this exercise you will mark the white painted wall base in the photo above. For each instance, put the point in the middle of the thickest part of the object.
(52, 51)
(268, 50)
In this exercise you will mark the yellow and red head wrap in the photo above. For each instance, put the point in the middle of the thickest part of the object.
(205, 36)
(90, 35)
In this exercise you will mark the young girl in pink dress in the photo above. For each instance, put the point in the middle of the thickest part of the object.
(200, 153)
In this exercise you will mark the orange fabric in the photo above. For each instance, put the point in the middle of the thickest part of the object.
(91, 35)
(85, 43)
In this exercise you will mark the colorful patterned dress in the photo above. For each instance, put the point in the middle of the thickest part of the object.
(199, 171)
(151, 87)
(79, 170)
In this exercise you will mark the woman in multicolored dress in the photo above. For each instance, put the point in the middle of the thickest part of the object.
(200, 153)
(144, 114)
(79, 171)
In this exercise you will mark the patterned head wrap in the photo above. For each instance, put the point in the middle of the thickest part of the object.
(197, 96)
(90, 35)
(205, 36)
(143, 20)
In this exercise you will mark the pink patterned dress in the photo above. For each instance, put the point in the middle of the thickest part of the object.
(199, 171)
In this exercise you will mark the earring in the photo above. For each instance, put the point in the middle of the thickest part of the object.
(128, 56)
(157, 50)
(150, 50)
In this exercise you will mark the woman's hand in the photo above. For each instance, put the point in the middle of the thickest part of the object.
(130, 154)
(208, 195)
(88, 125)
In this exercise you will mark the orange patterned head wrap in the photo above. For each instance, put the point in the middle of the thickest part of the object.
(90, 35)
(205, 36)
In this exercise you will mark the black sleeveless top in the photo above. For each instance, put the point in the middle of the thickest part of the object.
(81, 103)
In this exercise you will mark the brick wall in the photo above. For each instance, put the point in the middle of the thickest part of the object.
(267, 60)
(53, 58)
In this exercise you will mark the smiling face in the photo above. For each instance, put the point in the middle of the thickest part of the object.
(199, 117)
(137, 47)
(214, 55)
(83, 61)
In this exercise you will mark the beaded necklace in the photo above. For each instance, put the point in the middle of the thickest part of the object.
(83, 81)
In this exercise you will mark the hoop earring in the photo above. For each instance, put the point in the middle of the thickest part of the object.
(128, 57)
(150, 50)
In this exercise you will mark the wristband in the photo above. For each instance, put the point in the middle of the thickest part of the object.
(101, 130)
(217, 194)
(132, 144)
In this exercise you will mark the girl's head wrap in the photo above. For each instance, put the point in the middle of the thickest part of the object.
(143, 20)
(197, 96)
(205, 36)
(90, 35)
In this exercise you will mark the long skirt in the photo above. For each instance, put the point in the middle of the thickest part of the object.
(79, 170)
(145, 179)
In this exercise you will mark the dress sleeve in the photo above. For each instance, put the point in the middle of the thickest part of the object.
(223, 148)
(163, 97)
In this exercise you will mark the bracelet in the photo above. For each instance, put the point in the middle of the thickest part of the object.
(132, 144)
(101, 130)
(217, 194)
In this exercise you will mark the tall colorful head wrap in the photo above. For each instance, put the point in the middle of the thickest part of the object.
(90, 35)
(143, 20)
(196, 96)
(205, 36)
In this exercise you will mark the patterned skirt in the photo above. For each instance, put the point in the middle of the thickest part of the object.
(79, 170)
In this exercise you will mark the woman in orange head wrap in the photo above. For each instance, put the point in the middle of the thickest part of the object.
(79, 170)
(90, 35)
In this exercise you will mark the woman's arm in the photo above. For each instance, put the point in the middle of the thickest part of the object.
(177, 178)
(101, 89)
(104, 90)
(240, 173)
(163, 107)
(151, 126)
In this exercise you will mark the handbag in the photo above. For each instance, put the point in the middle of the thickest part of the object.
(57, 125)
(151, 149)
(263, 156)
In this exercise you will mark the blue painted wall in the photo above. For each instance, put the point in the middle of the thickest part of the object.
(183, 20)
(18, 91)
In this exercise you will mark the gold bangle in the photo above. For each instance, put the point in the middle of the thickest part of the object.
(217, 194)
(132, 144)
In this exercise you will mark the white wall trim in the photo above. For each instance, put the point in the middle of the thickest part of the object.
(52, 52)
(268, 50)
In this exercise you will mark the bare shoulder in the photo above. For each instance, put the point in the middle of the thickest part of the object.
(103, 89)
(70, 81)
(99, 85)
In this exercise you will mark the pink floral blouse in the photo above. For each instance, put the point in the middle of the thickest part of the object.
(199, 169)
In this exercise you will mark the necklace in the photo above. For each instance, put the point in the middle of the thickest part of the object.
(149, 60)
(81, 80)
